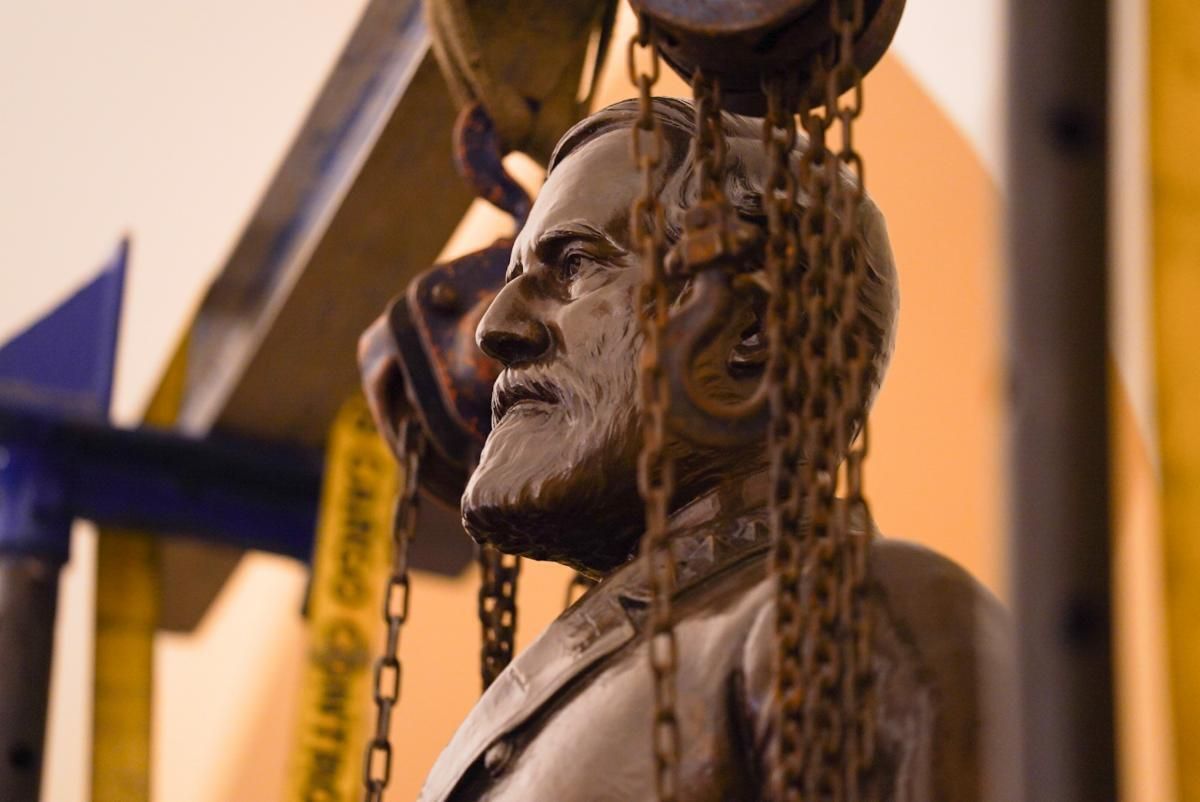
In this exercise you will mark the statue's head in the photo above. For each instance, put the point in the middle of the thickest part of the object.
(558, 476)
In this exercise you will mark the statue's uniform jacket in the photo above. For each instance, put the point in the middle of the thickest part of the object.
(570, 719)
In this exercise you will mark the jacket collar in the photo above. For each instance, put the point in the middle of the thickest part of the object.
(706, 536)
(593, 628)
(698, 551)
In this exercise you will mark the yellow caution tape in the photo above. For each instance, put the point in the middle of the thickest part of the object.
(126, 617)
(1175, 172)
(127, 598)
(351, 562)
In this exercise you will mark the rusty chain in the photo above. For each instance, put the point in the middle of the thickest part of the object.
(818, 376)
(812, 772)
(785, 433)
(710, 145)
(655, 470)
(825, 703)
(497, 610)
(377, 762)
(852, 352)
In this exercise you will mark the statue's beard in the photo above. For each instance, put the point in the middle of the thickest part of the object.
(557, 481)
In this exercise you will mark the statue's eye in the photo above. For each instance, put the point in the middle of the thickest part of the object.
(572, 263)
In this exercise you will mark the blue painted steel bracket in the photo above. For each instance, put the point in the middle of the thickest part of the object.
(61, 365)
(60, 460)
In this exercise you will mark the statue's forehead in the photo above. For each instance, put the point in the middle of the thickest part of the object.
(595, 184)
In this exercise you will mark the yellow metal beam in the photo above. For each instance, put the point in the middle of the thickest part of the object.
(127, 607)
(126, 617)
(1175, 175)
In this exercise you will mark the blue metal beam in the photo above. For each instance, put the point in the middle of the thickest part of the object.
(251, 495)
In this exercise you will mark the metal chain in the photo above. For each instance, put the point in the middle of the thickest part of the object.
(785, 436)
(377, 762)
(710, 145)
(818, 374)
(819, 756)
(656, 478)
(497, 610)
(825, 704)
(852, 351)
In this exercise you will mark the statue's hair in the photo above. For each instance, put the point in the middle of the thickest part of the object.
(879, 295)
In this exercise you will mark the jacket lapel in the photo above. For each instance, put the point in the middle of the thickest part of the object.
(590, 631)
(603, 621)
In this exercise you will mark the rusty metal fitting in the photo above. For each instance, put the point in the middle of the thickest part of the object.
(741, 43)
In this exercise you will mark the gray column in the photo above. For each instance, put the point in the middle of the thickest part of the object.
(1057, 237)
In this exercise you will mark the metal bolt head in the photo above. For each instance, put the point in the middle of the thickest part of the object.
(444, 298)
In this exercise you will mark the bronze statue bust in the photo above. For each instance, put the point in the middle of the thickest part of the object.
(569, 719)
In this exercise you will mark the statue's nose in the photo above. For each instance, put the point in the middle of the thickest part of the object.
(510, 332)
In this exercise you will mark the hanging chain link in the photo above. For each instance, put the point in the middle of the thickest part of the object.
(818, 377)
(655, 470)
(785, 434)
(377, 762)
(825, 702)
(851, 342)
(497, 610)
(818, 758)
(710, 145)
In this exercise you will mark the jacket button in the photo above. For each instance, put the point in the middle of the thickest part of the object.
(497, 757)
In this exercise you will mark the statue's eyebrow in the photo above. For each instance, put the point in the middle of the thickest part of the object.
(554, 241)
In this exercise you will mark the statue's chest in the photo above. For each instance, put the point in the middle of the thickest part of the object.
(571, 719)
(594, 742)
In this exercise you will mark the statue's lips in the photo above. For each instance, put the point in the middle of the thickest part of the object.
(508, 395)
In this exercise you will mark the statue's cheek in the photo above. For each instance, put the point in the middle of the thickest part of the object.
(595, 314)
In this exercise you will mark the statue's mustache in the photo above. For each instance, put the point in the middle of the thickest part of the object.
(560, 385)
(515, 385)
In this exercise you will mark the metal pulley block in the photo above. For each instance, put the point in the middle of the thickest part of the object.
(738, 43)
(448, 379)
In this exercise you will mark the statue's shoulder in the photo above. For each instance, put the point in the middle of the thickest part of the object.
(940, 607)
(961, 644)
(934, 600)
(943, 656)
(911, 582)
(931, 608)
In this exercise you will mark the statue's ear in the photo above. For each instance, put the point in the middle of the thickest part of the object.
(748, 357)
